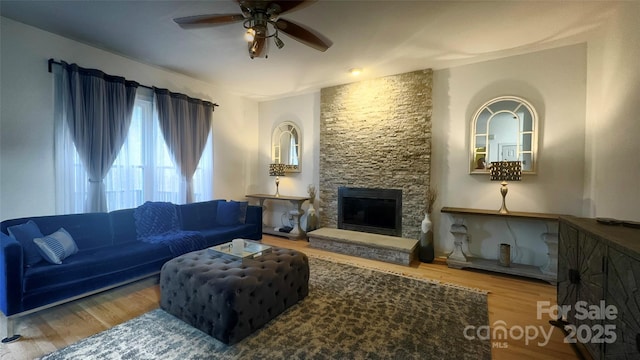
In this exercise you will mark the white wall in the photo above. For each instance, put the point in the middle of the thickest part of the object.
(303, 110)
(26, 117)
(613, 118)
(554, 81)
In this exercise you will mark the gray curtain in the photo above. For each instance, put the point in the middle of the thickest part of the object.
(185, 124)
(100, 108)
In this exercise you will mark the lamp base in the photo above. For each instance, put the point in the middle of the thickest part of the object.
(503, 191)
(277, 187)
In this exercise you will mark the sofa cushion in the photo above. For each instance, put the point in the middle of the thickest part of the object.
(232, 212)
(242, 216)
(123, 225)
(56, 247)
(95, 263)
(179, 242)
(89, 230)
(156, 218)
(25, 233)
(198, 215)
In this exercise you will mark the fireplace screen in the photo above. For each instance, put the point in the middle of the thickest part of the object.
(376, 211)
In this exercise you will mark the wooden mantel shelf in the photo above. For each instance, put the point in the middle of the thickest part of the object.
(515, 214)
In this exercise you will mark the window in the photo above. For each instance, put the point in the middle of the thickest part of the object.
(143, 170)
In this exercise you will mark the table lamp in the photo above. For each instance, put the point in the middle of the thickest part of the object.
(505, 171)
(277, 170)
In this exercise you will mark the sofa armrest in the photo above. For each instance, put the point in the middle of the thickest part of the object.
(254, 217)
(11, 268)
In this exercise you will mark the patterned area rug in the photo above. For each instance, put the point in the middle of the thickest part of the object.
(350, 313)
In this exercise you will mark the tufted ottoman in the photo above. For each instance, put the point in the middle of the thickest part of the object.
(230, 298)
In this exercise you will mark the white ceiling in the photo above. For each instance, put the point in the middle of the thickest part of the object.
(383, 37)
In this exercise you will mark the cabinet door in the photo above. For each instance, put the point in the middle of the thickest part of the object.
(567, 290)
(590, 290)
(623, 291)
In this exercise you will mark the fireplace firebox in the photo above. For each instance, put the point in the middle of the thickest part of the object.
(377, 211)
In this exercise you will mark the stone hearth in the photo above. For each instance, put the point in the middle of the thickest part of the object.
(371, 246)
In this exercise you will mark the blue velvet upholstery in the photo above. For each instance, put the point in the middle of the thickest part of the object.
(199, 215)
(110, 253)
(90, 230)
(24, 234)
(123, 226)
(10, 274)
(231, 213)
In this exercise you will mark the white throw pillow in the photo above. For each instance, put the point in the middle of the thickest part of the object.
(56, 247)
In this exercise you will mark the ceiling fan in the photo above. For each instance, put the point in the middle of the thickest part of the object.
(261, 19)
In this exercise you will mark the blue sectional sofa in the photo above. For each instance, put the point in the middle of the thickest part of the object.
(110, 252)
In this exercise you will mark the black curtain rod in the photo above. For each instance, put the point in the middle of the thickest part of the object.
(51, 62)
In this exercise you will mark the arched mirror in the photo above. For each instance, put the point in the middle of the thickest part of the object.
(504, 129)
(285, 146)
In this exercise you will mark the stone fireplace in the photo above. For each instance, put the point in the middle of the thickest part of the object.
(377, 134)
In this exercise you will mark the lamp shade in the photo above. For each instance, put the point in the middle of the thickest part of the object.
(506, 171)
(277, 169)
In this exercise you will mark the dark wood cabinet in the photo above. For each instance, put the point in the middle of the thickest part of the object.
(599, 267)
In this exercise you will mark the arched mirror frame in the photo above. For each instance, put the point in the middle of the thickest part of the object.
(523, 149)
(284, 131)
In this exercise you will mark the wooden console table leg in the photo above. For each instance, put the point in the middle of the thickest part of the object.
(458, 258)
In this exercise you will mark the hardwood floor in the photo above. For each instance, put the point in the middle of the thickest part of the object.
(512, 304)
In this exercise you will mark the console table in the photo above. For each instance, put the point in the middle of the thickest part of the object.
(297, 201)
(458, 259)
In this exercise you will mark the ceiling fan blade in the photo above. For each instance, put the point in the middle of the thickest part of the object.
(304, 35)
(257, 47)
(208, 20)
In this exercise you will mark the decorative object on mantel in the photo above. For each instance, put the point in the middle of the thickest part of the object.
(277, 170)
(427, 252)
(505, 171)
(312, 217)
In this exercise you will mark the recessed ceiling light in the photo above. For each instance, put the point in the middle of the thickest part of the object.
(355, 71)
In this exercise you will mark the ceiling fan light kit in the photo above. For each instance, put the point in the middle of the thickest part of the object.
(261, 19)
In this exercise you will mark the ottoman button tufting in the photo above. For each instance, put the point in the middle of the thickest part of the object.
(222, 302)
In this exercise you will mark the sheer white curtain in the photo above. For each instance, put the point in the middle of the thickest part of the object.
(143, 170)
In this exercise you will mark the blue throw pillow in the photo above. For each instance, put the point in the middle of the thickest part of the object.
(56, 247)
(231, 212)
(24, 234)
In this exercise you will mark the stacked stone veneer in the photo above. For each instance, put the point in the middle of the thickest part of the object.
(377, 134)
